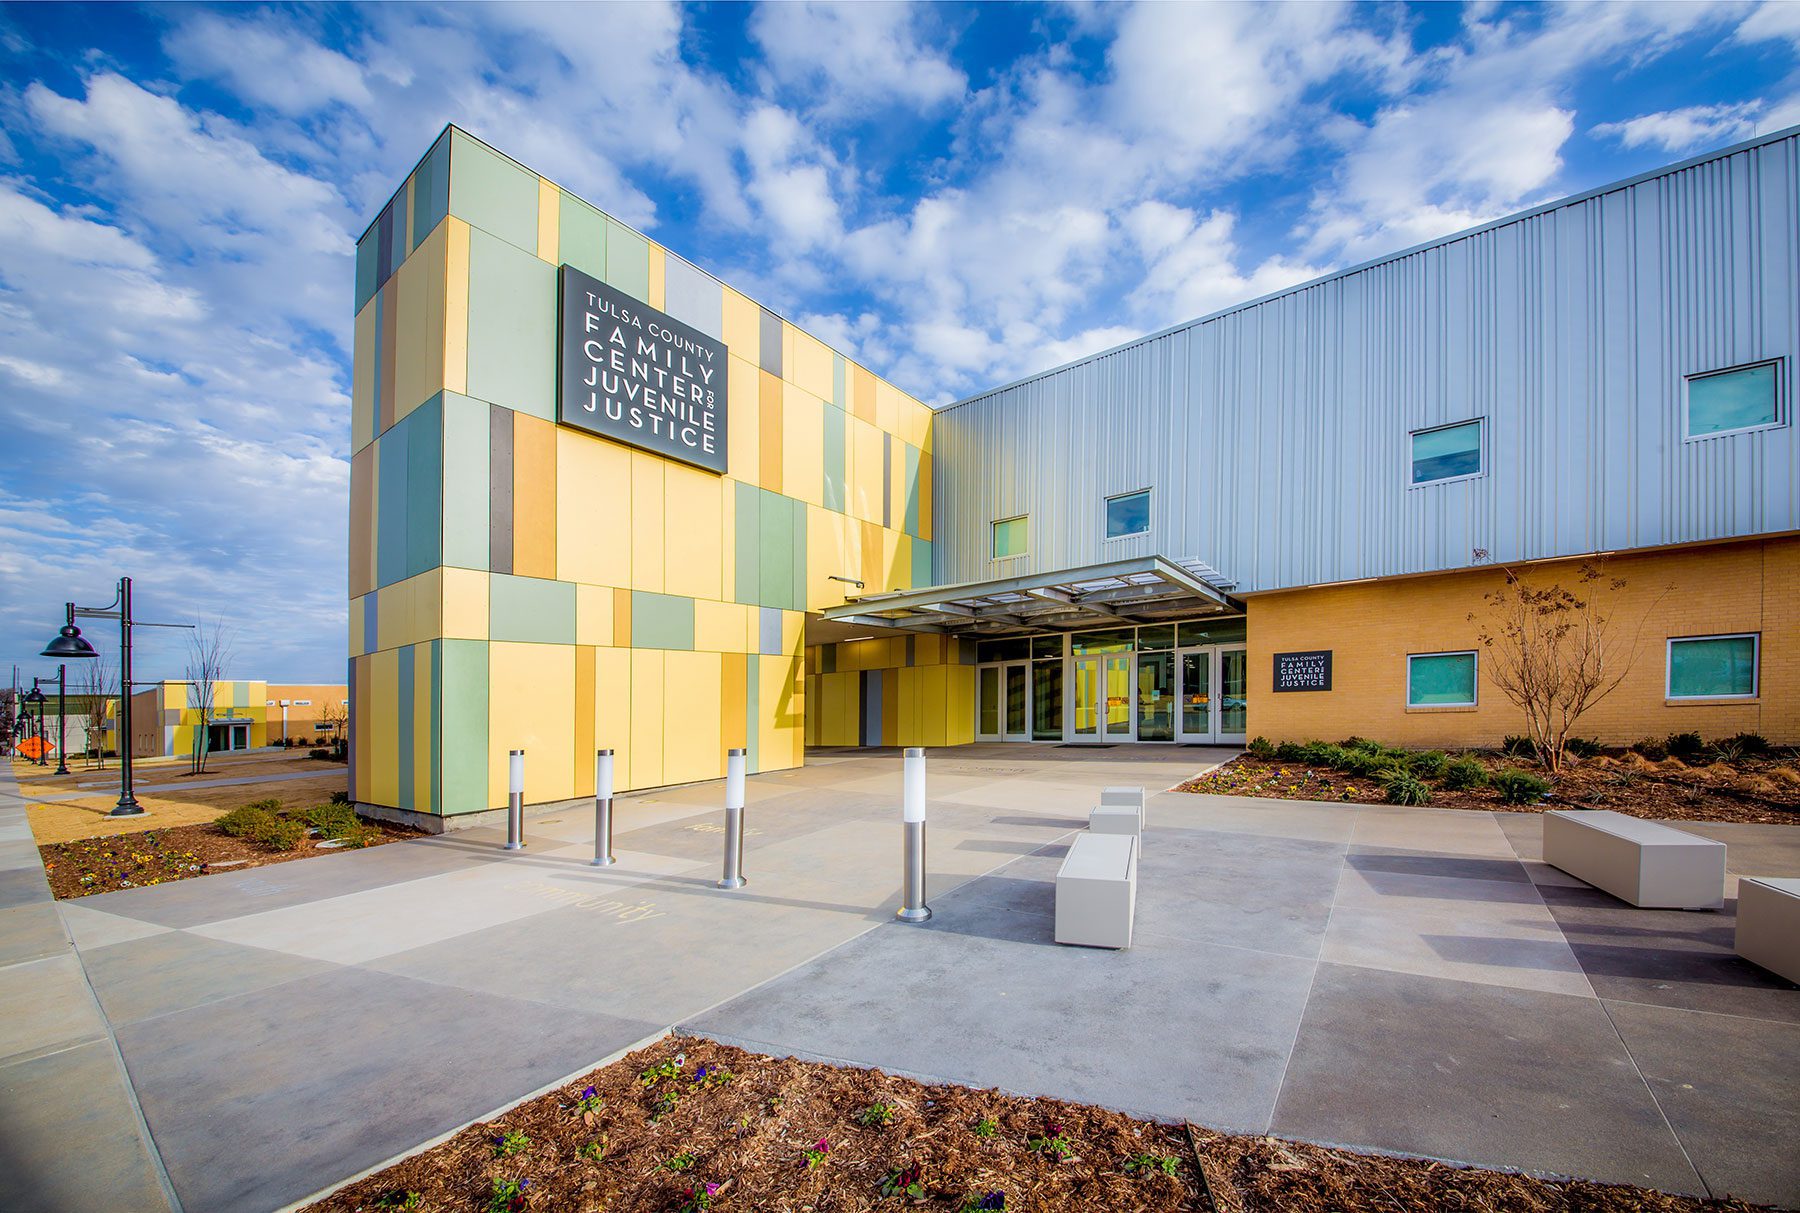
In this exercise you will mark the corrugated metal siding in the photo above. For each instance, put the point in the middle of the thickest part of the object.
(1275, 436)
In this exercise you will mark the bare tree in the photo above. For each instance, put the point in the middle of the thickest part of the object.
(97, 682)
(1552, 651)
(209, 653)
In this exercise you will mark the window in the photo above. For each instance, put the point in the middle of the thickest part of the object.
(1448, 452)
(1713, 667)
(303, 703)
(1435, 680)
(1723, 402)
(1128, 514)
(1009, 537)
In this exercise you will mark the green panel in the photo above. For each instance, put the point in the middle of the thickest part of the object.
(392, 460)
(922, 572)
(512, 327)
(403, 718)
(1010, 537)
(424, 485)
(836, 495)
(776, 540)
(627, 260)
(911, 473)
(366, 250)
(1731, 400)
(753, 716)
(490, 192)
(437, 727)
(1440, 678)
(1710, 666)
(465, 481)
(531, 608)
(463, 696)
(749, 513)
(661, 621)
(582, 234)
(431, 191)
(797, 599)
(838, 374)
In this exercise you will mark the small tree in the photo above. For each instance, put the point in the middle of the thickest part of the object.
(96, 682)
(209, 652)
(1552, 652)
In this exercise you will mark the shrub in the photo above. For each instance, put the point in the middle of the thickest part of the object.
(332, 820)
(1363, 762)
(1461, 774)
(1684, 745)
(244, 821)
(1289, 751)
(1428, 764)
(1333, 756)
(1582, 747)
(340, 798)
(318, 753)
(1517, 746)
(1751, 745)
(1652, 748)
(1403, 787)
(1520, 787)
(278, 833)
(1261, 747)
(1361, 743)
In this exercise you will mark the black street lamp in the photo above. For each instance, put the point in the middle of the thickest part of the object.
(37, 696)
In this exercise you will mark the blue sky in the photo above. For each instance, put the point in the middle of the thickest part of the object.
(955, 194)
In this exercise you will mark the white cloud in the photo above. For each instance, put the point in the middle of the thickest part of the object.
(1771, 20)
(850, 58)
(1688, 129)
(265, 62)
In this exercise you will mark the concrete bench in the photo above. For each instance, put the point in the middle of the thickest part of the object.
(1642, 862)
(1096, 891)
(1768, 923)
(1130, 797)
(1117, 819)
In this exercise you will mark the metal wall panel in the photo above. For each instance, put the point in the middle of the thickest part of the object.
(1275, 435)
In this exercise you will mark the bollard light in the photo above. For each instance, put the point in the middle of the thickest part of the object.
(733, 877)
(603, 806)
(515, 801)
(912, 817)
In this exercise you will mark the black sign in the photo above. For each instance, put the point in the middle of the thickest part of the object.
(1303, 671)
(639, 376)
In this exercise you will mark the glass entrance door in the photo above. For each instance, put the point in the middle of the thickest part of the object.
(1017, 722)
(1196, 723)
(1101, 707)
(1234, 695)
(1214, 695)
(1003, 702)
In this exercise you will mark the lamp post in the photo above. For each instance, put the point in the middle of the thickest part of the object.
(62, 718)
(36, 695)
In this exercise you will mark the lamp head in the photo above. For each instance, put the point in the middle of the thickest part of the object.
(34, 695)
(69, 643)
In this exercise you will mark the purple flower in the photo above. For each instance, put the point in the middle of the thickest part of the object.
(587, 1093)
(711, 1188)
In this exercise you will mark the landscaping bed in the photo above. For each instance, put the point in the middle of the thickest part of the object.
(689, 1124)
(249, 837)
(1678, 778)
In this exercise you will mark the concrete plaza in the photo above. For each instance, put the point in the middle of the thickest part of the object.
(1400, 979)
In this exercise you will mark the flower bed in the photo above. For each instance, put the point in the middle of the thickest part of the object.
(690, 1124)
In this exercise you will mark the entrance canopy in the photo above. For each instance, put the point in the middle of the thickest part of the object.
(1144, 589)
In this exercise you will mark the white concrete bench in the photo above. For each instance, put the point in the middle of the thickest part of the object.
(1096, 891)
(1130, 797)
(1117, 819)
(1643, 862)
(1768, 923)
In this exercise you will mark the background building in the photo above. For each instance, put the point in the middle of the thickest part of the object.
(307, 713)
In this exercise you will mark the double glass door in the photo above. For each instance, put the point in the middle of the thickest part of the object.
(1100, 707)
(1002, 702)
(1213, 695)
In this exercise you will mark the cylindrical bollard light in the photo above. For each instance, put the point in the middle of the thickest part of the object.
(603, 798)
(515, 801)
(734, 821)
(912, 818)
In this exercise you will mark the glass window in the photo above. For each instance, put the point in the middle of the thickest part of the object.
(1047, 700)
(1128, 514)
(1009, 537)
(1446, 452)
(1436, 679)
(1212, 631)
(1713, 667)
(1047, 646)
(1012, 648)
(1156, 697)
(1156, 636)
(1721, 401)
(1115, 641)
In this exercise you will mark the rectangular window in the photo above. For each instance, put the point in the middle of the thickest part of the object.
(1440, 680)
(1128, 514)
(1713, 667)
(1009, 537)
(1448, 452)
(1721, 402)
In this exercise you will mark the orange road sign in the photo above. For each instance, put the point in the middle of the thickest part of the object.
(35, 748)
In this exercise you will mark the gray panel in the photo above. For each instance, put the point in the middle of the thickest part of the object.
(1274, 435)
(500, 489)
(694, 297)
(769, 631)
(771, 342)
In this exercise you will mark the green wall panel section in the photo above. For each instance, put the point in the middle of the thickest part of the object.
(912, 488)
(392, 460)
(922, 573)
(775, 537)
(661, 621)
(627, 260)
(463, 698)
(437, 726)
(749, 513)
(466, 469)
(752, 714)
(512, 326)
(366, 250)
(424, 485)
(836, 495)
(797, 591)
(490, 192)
(532, 609)
(581, 233)
(431, 191)
(403, 717)
(838, 374)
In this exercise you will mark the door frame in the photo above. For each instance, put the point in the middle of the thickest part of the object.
(1001, 670)
(1215, 671)
(1071, 679)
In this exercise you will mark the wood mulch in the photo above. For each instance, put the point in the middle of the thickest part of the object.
(1765, 791)
(717, 1127)
(150, 857)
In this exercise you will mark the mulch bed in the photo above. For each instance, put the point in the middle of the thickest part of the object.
(1765, 791)
(688, 1123)
(129, 861)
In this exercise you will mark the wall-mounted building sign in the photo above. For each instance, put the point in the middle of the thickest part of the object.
(1309, 671)
(637, 375)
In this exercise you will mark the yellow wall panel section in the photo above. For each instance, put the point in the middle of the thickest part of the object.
(959, 724)
(862, 393)
(358, 644)
(428, 606)
(383, 753)
(811, 367)
(593, 615)
(733, 688)
(692, 539)
(770, 440)
(646, 522)
(549, 245)
(593, 501)
(936, 695)
(465, 604)
(742, 329)
(720, 627)
(419, 362)
(456, 305)
(691, 724)
(362, 378)
(645, 758)
(864, 444)
(534, 496)
(394, 614)
(583, 773)
(743, 438)
(612, 710)
(728, 537)
(421, 731)
(802, 445)
(531, 706)
(831, 549)
(781, 700)
(658, 275)
(363, 478)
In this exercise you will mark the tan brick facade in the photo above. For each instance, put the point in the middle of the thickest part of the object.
(1370, 627)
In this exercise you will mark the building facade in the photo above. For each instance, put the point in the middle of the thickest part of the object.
(600, 499)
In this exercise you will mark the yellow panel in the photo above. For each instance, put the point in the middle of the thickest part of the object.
(862, 394)
(383, 753)
(357, 644)
(584, 720)
(935, 682)
(691, 683)
(646, 523)
(456, 305)
(621, 618)
(658, 271)
(802, 445)
(362, 378)
(770, 440)
(864, 451)
(743, 438)
(593, 615)
(719, 627)
(465, 599)
(593, 497)
(534, 496)
(393, 614)
(897, 559)
(779, 706)
(732, 701)
(419, 361)
(959, 725)
(421, 730)
(793, 633)
(549, 246)
(612, 709)
(645, 759)
(811, 367)
(728, 536)
(692, 539)
(531, 706)
(912, 707)
(428, 605)
(928, 649)
(743, 320)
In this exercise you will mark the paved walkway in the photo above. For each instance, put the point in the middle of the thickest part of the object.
(1403, 979)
